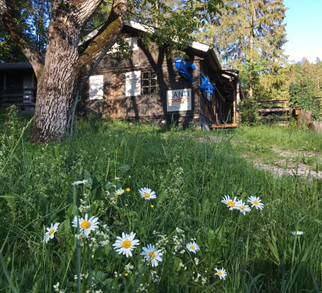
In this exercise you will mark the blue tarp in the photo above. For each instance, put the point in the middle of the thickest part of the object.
(182, 67)
(206, 85)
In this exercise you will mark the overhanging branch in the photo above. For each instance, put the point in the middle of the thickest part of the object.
(106, 36)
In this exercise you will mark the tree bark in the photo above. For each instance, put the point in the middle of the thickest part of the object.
(63, 73)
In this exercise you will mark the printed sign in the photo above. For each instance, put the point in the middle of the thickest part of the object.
(96, 87)
(133, 83)
(179, 100)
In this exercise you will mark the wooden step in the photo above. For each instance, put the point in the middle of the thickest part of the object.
(227, 125)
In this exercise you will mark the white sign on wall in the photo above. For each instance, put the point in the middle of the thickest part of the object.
(179, 100)
(133, 83)
(96, 85)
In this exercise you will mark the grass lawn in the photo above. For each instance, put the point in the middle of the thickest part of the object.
(170, 187)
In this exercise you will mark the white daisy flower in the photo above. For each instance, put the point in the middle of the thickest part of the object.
(229, 202)
(150, 253)
(86, 225)
(80, 182)
(221, 273)
(147, 193)
(193, 247)
(242, 207)
(119, 192)
(297, 233)
(256, 202)
(125, 244)
(50, 232)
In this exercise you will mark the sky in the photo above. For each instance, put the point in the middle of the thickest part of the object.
(304, 29)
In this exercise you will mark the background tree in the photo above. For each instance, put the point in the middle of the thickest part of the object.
(247, 33)
(64, 70)
(32, 17)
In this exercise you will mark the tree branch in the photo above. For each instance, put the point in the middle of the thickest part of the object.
(105, 38)
(18, 36)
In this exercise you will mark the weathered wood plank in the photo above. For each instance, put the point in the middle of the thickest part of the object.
(227, 125)
(286, 109)
(273, 102)
(271, 117)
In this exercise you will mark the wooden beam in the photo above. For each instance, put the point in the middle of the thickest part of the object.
(227, 125)
(274, 117)
(273, 102)
(274, 110)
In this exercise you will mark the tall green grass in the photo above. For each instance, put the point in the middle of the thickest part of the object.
(290, 138)
(189, 177)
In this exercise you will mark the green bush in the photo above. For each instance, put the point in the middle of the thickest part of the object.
(249, 111)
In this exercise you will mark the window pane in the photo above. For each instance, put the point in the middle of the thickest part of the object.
(145, 91)
(145, 75)
(145, 82)
(153, 82)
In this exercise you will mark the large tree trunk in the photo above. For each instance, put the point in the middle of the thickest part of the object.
(64, 71)
(56, 92)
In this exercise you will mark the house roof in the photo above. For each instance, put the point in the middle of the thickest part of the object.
(16, 65)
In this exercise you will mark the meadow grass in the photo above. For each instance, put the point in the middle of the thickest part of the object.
(189, 177)
(288, 138)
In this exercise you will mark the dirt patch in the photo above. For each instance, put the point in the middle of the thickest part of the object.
(290, 163)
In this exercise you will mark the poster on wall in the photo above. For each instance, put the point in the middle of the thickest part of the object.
(179, 100)
(133, 83)
(96, 87)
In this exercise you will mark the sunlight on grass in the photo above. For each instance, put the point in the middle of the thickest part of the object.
(123, 208)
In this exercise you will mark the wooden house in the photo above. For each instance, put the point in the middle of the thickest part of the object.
(18, 86)
(149, 87)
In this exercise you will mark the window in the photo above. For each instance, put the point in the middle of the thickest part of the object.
(96, 87)
(149, 83)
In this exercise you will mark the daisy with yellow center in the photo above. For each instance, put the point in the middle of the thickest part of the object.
(150, 253)
(229, 202)
(256, 202)
(297, 233)
(147, 193)
(86, 225)
(242, 207)
(193, 247)
(119, 192)
(221, 273)
(80, 182)
(50, 232)
(125, 244)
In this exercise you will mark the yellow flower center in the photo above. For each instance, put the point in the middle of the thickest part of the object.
(255, 202)
(126, 243)
(146, 194)
(219, 273)
(152, 206)
(51, 232)
(152, 254)
(192, 247)
(128, 189)
(231, 203)
(126, 274)
(242, 207)
(85, 224)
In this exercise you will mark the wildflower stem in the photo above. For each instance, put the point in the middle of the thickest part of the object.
(107, 169)
(78, 246)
